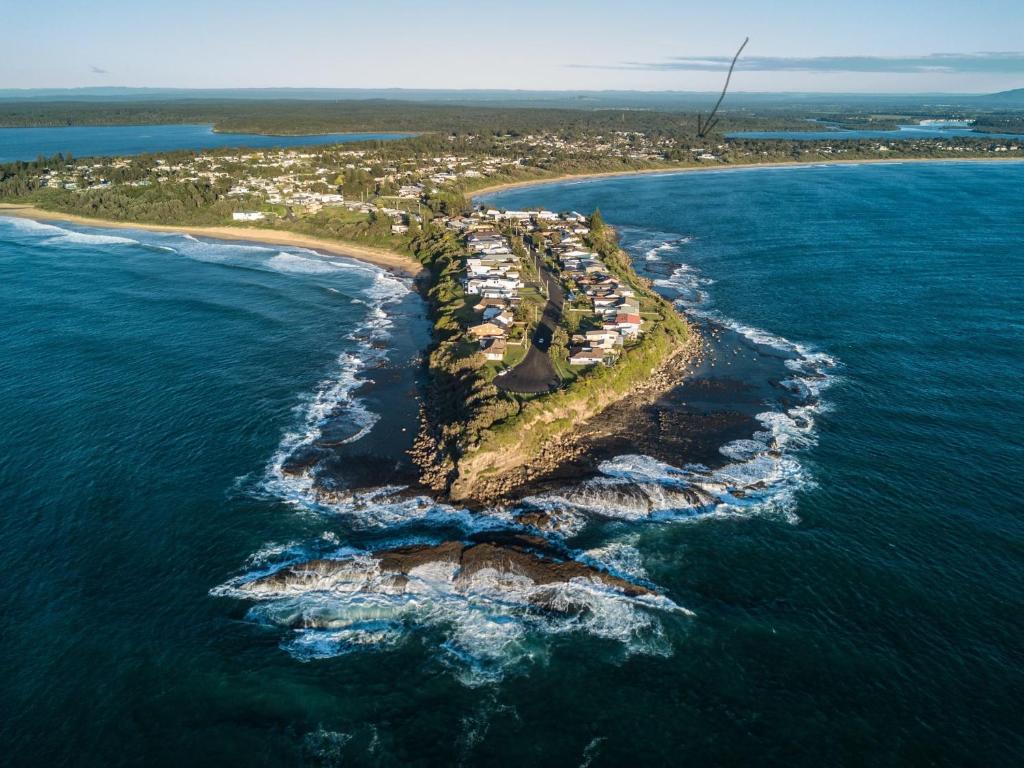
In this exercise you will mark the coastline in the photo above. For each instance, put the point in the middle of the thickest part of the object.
(493, 188)
(390, 260)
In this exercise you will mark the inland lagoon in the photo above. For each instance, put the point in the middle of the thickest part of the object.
(95, 140)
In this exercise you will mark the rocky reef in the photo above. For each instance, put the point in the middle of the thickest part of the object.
(530, 564)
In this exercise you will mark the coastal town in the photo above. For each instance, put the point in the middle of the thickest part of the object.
(398, 189)
(535, 286)
(604, 310)
(537, 289)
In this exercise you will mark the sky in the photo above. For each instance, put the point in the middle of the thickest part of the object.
(901, 46)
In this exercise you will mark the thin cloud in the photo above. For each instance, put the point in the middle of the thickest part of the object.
(97, 71)
(995, 62)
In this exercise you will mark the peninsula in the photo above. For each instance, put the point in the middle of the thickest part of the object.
(540, 322)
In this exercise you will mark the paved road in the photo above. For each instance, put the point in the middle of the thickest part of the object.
(536, 372)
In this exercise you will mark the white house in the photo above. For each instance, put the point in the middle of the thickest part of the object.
(586, 357)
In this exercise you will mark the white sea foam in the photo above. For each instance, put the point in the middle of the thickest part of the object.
(301, 265)
(336, 399)
(688, 285)
(764, 472)
(619, 558)
(654, 253)
(489, 620)
(639, 488)
(652, 245)
(762, 476)
(313, 644)
(56, 234)
(88, 238)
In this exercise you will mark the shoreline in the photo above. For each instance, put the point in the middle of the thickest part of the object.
(379, 257)
(670, 170)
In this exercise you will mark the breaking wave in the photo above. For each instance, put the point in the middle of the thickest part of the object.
(335, 400)
(300, 265)
(486, 623)
(763, 473)
(56, 235)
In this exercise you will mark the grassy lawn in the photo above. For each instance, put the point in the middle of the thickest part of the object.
(514, 355)
(465, 313)
(567, 373)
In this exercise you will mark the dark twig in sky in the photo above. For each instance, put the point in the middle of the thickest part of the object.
(703, 128)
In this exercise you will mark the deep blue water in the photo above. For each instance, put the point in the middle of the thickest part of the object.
(860, 604)
(96, 140)
(903, 132)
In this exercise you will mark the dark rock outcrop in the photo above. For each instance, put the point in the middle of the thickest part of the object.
(390, 571)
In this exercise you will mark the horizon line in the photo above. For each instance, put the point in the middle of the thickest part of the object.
(100, 88)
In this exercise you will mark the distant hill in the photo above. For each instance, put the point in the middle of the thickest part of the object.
(1014, 97)
(668, 101)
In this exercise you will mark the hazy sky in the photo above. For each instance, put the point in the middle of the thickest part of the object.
(801, 45)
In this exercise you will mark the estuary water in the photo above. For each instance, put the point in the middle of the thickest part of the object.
(96, 140)
(847, 590)
(900, 133)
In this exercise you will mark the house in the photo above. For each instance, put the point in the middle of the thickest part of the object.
(496, 350)
(247, 216)
(490, 303)
(627, 325)
(487, 330)
(493, 286)
(504, 319)
(586, 356)
(628, 306)
(603, 339)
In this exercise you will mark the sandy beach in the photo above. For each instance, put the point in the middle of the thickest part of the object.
(406, 265)
(395, 262)
(491, 189)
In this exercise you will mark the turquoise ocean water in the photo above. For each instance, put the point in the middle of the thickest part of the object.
(860, 603)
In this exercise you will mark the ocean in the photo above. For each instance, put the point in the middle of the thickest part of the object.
(105, 140)
(839, 569)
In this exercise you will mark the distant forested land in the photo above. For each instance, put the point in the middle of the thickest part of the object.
(310, 117)
(509, 112)
(1001, 122)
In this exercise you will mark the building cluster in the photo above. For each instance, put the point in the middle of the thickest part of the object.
(625, 145)
(269, 183)
(615, 310)
(493, 273)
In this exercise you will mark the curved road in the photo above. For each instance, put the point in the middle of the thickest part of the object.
(536, 372)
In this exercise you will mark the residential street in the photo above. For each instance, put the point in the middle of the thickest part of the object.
(536, 372)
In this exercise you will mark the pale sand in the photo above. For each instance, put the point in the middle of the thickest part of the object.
(395, 262)
(406, 265)
(668, 169)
